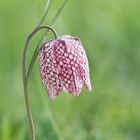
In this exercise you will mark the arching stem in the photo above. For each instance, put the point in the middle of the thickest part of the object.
(24, 74)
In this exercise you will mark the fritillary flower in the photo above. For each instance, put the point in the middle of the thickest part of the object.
(64, 66)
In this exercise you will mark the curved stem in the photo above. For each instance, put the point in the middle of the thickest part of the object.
(27, 101)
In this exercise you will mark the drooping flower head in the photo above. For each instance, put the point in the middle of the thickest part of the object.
(64, 65)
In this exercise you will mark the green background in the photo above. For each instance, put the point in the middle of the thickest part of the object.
(110, 32)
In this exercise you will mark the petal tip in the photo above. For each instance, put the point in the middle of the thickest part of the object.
(88, 86)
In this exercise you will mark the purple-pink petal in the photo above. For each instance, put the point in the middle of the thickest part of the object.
(64, 65)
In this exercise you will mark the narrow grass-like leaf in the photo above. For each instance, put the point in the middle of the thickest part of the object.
(48, 5)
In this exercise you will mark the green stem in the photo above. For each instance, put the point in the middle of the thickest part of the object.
(27, 101)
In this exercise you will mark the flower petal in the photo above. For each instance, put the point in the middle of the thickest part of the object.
(49, 71)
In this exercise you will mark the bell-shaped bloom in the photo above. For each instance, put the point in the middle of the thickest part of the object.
(64, 66)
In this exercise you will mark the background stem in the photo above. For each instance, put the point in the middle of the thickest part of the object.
(27, 101)
(26, 76)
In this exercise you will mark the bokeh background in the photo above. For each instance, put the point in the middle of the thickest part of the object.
(110, 32)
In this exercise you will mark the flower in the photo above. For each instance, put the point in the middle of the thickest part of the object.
(64, 65)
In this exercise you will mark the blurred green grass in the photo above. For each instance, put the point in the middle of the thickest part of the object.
(110, 32)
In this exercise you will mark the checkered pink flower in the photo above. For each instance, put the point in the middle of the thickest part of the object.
(64, 65)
